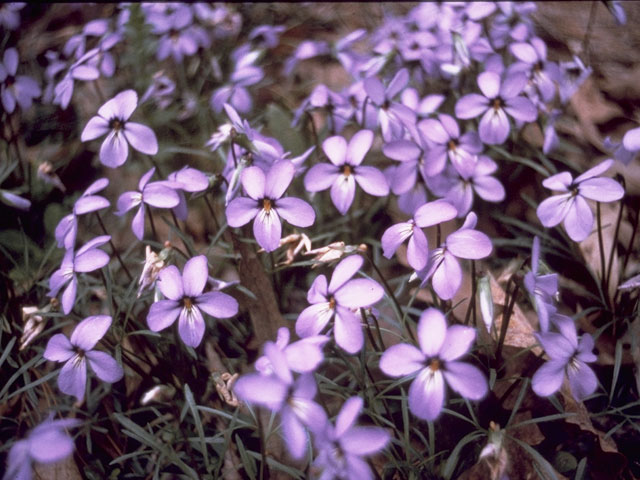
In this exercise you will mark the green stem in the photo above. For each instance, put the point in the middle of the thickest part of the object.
(472, 304)
(614, 244)
(153, 225)
(603, 276)
(113, 247)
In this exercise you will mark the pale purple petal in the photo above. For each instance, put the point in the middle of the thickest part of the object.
(585, 349)
(295, 211)
(447, 277)
(96, 127)
(318, 291)
(313, 319)
(320, 177)
(631, 140)
(375, 90)
(434, 212)
(372, 181)
(218, 304)
(470, 244)
(105, 367)
(90, 203)
(348, 415)
(601, 189)
(393, 237)
(267, 229)
(195, 275)
(141, 138)
(494, 127)
(552, 210)
(253, 181)
(89, 331)
(346, 269)
(127, 201)
(90, 260)
(471, 106)
(489, 83)
(559, 182)
(457, 342)
(170, 283)
(294, 434)
(69, 296)
(521, 108)
(241, 210)
(579, 220)
(513, 84)
(158, 194)
(114, 150)
(417, 250)
(358, 147)
(557, 346)
(347, 330)
(137, 224)
(121, 106)
(360, 292)
(278, 179)
(466, 379)
(59, 349)
(343, 192)
(397, 83)
(401, 359)
(548, 378)
(191, 326)
(47, 444)
(336, 149)
(305, 356)
(259, 389)
(10, 60)
(278, 362)
(426, 394)
(489, 189)
(432, 330)
(595, 171)
(402, 150)
(582, 380)
(73, 377)
(162, 314)
(364, 440)
(434, 130)
(524, 52)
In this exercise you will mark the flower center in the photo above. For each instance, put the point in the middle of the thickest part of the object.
(347, 170)
(434, 364)
(332, 302)
(116, 124)
(174, 35)
(10, 80)
(452, 145)
(187, 302)
(497, 103)
(267, 204)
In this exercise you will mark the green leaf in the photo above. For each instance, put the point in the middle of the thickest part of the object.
(193, 408)
(452, 461)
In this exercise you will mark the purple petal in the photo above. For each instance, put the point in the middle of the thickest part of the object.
(294, 434)
(358, 147)
(548, 378)
(278, 362)
(582, 380)
(267, 229)
(218, 304)
(489, 189)
(89, 331)
(191, 326)
(579, 220)
(360, 292)
(162, 314)
(372, 181)
(347, 330)
(313, 319)
(305, 356)
(90, 260)
(96, 127)
(432, 330)
(556, 345)
(426, 394)
(471, 106)
(346, 269)
(105, 367)
(524, 52)
(141, 138)
(295, 211)
(320, 177)
(471, 244)
(433, 213)
(601, 189)
(318, 291)
(553, 210)
(434, 130)
(170, 283)
(253, 181)
(585, 349)
(93, 244)
(393, 237)
(397, 83)
(127, 201)
(401, 359)
(595, 171)
(121, 106)
(114, 150)
(417, 250)
(137, 224)
(278, 179)
(403, 177)
(522, 109)
(489, 83)
(240, 211)
(457, 342)
(90, 203)
(195, 275)
(268, 391)
(336, 149)
(375, 90)
(73, 377)
(631, 140)
(513, 84)
(47, 445)
(159, 195)
(343, 192)
(59, 349)
(447, 277)
(402, 150)
(559, 182)
(364, 440)
(494, 127)
(348, 415)
(466, 379)
(69, 296)
(10, 60)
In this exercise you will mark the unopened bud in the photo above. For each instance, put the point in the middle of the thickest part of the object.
(485, 300)
(159, 393)
(33, 324)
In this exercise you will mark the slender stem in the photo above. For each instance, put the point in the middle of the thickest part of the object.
(314, 132)
(364, 110)
(472, 304)
(614, 244)
(587, 34)
(153, 225)
(99, 92)
(233, 153)
(155, 164)
(175, 220)
(603, 276)
(16, 147)
(368, 329)
(627, 253)
(212, 212)
(375, 321)
(113, 247)
(438, 235)
(505, 319)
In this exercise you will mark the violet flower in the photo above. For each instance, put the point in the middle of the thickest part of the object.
(80, 70)
(244, 74)
(532, 56)
(302, 356)
(341, 448)
(336, 302)
(113, 118)
(20, 89)
(443, 267)
(499, 98)
(184, 299)
(46, 443)
(266, 204)
(87, 259)
(88, 202)
(9, 17)
(427, 215)
(190, 180)
(434, 362)
(79, 350)
(571, 207)
(541, 287)
(345, 170)
(567, 356)
(160, 194)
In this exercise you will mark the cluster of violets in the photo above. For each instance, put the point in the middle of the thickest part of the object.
(432, 154)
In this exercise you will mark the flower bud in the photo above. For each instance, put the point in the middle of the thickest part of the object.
(485, 300)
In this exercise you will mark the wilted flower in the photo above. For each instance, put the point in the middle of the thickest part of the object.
(48, 175)
(33, 324)
(333, 252)
(541, 287)
(153, 264)
(80, 349)
(113, 118)
(184, 299)
(434, 362)
(571, 207)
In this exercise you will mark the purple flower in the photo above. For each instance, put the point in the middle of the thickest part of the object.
(571, 206)
(413, 156)
(302, 356)
(567, 356)
(19, 89)
(267, 205)
(498, 99)
(293, 400)
(434, 362)
(190, 180)
(80, 70)
(14, 200)
(345, 170)
(244, 74)
(9, 17)
(87, 259)
(156, 194)
(184, 299)
(80, 349)
(427, 215)
(541, 287)
(88, 202)
(113, 119)
(46, 443)
(266, 36)
(337, 301)
(443, 267)
(532, 56)
(341, 448)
